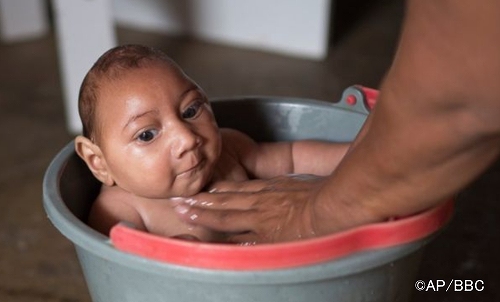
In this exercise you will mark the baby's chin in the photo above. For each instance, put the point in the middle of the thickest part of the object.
(193, 189)
(184, 188)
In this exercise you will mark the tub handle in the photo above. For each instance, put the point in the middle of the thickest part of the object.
(358, 98)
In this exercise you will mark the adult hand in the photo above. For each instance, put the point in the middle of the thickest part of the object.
(284, 208)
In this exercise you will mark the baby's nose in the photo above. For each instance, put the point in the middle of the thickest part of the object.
(185, 139)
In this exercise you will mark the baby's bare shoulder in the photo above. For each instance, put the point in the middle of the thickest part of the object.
(232, 138)
(116, 200)
(229, 133)
(112, 206)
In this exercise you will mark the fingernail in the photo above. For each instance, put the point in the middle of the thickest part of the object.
(177, 200)
(190, 201)
(206, 203)
(181, 209)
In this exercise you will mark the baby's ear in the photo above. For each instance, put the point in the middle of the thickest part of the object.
(93, 157)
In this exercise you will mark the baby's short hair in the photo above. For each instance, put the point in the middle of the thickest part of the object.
(110, 66)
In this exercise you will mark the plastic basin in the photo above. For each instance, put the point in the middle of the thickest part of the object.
(376, 262)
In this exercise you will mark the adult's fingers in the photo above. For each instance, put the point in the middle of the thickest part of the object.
(253, 185)
(215, 201)
(223, 220)
(266, 216)
(280, 210)
(245, 227)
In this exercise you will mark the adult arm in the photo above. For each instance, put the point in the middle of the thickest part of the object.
(435, 128)
(436, 125)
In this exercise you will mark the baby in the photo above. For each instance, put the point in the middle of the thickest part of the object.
(149, 135)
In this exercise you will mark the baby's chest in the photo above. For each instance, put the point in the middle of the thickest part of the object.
(228, 168)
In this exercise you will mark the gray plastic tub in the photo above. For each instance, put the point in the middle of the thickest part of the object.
(372, 272)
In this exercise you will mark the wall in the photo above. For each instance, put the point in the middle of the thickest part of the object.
(298, 28)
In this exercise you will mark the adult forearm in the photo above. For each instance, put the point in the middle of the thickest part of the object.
(435, 127)
(397, 170)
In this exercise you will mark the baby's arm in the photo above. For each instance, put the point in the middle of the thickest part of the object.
(266, 160)
(155, 216)
(317, 157)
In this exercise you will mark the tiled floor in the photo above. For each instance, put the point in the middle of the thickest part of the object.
(38, 264)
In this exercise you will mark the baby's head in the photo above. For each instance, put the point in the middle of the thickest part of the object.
(147, 127)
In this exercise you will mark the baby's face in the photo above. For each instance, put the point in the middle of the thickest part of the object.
(158, 134)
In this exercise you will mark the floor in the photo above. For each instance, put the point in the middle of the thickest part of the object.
(37, 264)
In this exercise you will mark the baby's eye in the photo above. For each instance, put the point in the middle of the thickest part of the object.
(147, 135)
(193, 110)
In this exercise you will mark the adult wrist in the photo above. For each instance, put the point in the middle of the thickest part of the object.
(337, 211)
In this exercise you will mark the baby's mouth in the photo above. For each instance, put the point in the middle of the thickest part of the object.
(191, 170)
